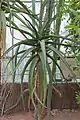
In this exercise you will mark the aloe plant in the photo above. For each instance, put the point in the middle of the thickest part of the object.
(42, 43)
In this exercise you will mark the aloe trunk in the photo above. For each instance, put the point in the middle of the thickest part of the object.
(39, 111)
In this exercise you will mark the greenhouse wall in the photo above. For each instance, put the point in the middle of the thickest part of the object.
(63, 97)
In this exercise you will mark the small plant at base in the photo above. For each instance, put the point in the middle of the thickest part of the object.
(78, 97)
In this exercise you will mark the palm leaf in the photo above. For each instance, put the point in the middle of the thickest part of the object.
(15, 62)
(23, 56)
(24, 23)
(42, 44)
(62, 58)
(43, 89)
(56, 64)
(30, 13)
(49, 92)
(16, 54)
(11, 59)
(34, 28)
(44, 69)
(15, 27)
(31, 81)
(24, 42)
(25, 67)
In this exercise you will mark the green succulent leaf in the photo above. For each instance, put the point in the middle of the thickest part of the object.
(31, 81)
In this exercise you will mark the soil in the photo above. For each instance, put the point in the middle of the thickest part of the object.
(57, 115)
